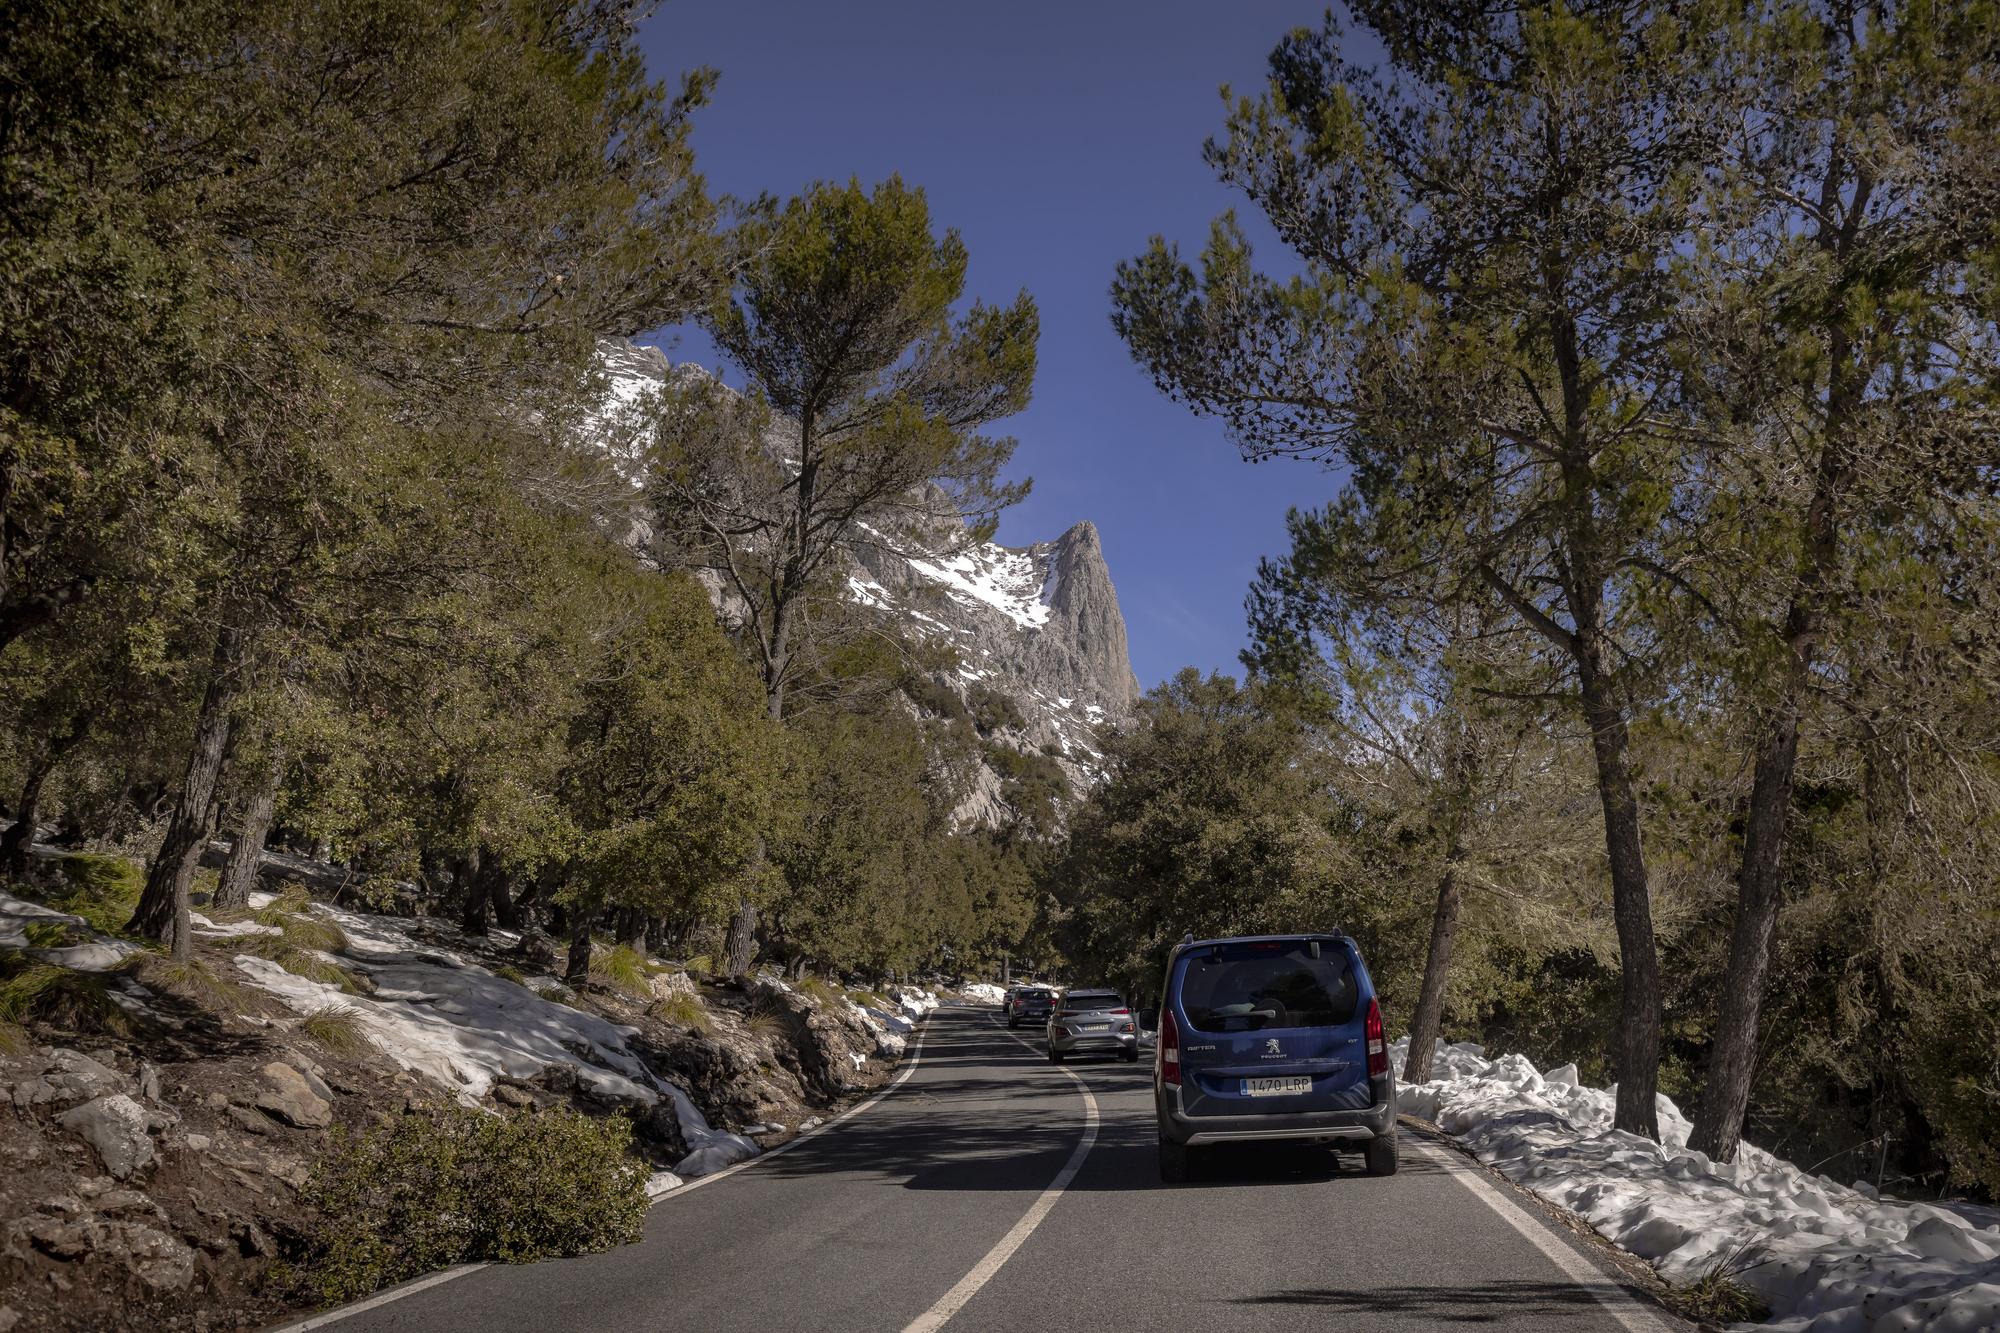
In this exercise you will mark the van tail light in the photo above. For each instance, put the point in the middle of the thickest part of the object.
(1378, 1050)
(1170, 1050)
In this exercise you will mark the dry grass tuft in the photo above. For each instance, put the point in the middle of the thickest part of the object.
(308, 963)
(336, 1028)
(61, 997)
(621, 968)
(819, 991)
(682, 1009)
(196, 981)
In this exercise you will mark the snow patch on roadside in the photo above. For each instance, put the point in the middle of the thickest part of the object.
(984, 992)
(463, 1027)
(893, 1025)
(1828, 1258)
(99, 953)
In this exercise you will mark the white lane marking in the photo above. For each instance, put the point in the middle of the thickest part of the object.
(381, 1298)
(439, 1278)
(982, 1272)
(916, 1054)
(1631, 1313)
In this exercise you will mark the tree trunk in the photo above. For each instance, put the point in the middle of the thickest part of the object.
(505, 910)
(17, 844)
(634, 931)
(741, 945)
(1637, 1110)
(1437, 966)
(162, 913)
(578, 966)
(1732, 1063)
(246, 853)
(18, 840)
(472, 912)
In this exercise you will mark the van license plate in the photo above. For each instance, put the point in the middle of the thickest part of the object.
(1276, 1087)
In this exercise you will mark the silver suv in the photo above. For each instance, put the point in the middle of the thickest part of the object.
(1092, 1020)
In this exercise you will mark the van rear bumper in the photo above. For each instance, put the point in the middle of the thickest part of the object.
(1360, 1125)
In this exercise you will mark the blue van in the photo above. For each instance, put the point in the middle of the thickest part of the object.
(1272, 1038)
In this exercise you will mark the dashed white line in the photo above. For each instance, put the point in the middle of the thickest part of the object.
(982, 1272)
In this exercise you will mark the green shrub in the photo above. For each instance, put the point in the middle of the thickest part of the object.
(621, 968)
(13, 1039)
(701, 965)
(62, 997)
(335, 1028)
(682, 1009)
(557, 994)
(103, 890)
(452, 1186)
(513, 974)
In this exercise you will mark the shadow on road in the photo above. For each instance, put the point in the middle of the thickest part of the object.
(1503, 1300)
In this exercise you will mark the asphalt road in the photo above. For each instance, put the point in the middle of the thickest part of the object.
(934, 1207)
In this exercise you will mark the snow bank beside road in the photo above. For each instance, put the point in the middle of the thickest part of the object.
(1828, 1258)
(462, 1027)
(984, 992)
(893, 1024)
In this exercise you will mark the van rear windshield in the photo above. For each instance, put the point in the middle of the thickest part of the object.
(1244, 987)
(1079, 1004)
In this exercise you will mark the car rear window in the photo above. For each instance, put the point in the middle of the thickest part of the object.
(1080, 1004)
(1244, 987)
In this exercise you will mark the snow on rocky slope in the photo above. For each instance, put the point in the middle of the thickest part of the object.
(460, 1025)
(1040, 624)
(1827, 1257)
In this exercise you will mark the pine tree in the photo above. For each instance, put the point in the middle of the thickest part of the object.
(1833, 299)
(413, 223)
(1478, 332)
(843, 323)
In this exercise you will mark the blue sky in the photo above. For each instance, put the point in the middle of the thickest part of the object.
(1057, 137)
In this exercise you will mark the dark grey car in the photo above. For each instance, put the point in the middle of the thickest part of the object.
(1092, 1021)
(1029, 1004)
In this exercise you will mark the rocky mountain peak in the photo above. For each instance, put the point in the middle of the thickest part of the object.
(1039, 625)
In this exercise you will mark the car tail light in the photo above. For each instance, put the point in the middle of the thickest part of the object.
(1170, 1050)
(1121, 1011)
(1378, 1050)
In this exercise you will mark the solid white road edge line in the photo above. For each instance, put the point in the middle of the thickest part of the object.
(442, 1276)
(380, 1298)
(1627, 1309)
(982, 1272)
(916, 1053)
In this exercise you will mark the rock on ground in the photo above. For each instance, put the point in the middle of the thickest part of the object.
(117, 1127)
(288, 1095)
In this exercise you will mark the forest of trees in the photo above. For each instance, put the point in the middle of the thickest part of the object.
(1630, 693)
(308, 537)
(1645, 642)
